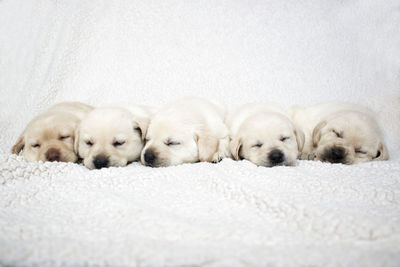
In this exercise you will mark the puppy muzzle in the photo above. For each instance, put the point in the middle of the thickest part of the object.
(101, 162)
(276, 157)
(150, 158)
(335, 154)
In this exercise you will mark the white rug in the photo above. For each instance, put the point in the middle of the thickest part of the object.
(226, 214)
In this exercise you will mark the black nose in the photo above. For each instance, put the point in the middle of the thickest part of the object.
(149, 157)
(100, 162)
(335, 155)
(276, 157)
(53, 154)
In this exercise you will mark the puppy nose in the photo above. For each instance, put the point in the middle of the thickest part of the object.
(335, 155)
(275, 157)
(100, 162)
(53, 154)
(149, 157)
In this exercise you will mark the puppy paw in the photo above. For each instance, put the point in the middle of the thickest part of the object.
(303, 156)
(307, 156)
(222, 152)
(312, 156)
(217, 157)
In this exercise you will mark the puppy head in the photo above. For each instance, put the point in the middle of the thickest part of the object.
(110, 137)
(48, 138)
(268, 139)
(169, 143)
(348, 137)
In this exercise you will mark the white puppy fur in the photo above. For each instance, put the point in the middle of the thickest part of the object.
(264, 135)
(50, 136)
(186, 131)
(112, 136)
(340, 133)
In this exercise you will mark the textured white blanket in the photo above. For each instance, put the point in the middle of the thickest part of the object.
(226, 214)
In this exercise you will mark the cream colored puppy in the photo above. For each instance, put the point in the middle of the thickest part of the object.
(264, 135)
(112, 136)
(50, 136)
(340, 133)
(189, 130)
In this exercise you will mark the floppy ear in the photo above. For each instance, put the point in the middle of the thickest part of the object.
(316, 134)
(19, 145)
(300, 138)
(207, 146)
(76, 140)
(235, 146)
(382, 153)
(143, 124)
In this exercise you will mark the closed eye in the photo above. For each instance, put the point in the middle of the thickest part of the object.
(284, 138)
(35, 145)
(89, 143)
(63, 137)
(118, 143)
(358, 151)
(172, 143)
(340, 135)
(137, 129)
(258, 145)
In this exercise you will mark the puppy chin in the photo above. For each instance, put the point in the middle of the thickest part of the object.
(121, 162)
(69, 157)
(267, 164)
(285, 163)
(159, 163)
(32, 158)
(111, 162)
(88, 162)
(289, 161)
(360, 160)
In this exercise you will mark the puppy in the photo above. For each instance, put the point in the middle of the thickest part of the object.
(186, 131)
(50, 136)
(112, 136)
(340, 133)
(262, 134)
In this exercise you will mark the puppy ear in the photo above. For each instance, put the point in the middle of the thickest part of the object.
(300, 138)
(207, 146)
(235, 146)
(382, 153)
(19, 145)
(76, 140)
(143, 124)
(316, 134)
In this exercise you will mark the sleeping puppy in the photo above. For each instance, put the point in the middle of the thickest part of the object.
(50, 135)
(262, 134)
(186, 131)
(340, 133)
(112, 136)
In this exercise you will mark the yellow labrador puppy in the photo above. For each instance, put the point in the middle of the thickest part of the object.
(186, 131)
(50, 136)
(112, 136)
(340, 133)
(264, 135)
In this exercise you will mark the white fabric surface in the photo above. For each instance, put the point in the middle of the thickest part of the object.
(226, 214)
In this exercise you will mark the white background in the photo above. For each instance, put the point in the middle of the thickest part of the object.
(151, 52)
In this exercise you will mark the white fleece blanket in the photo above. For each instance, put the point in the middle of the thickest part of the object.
(226, 214)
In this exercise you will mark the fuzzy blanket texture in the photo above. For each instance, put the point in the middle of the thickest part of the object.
(226, 214)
